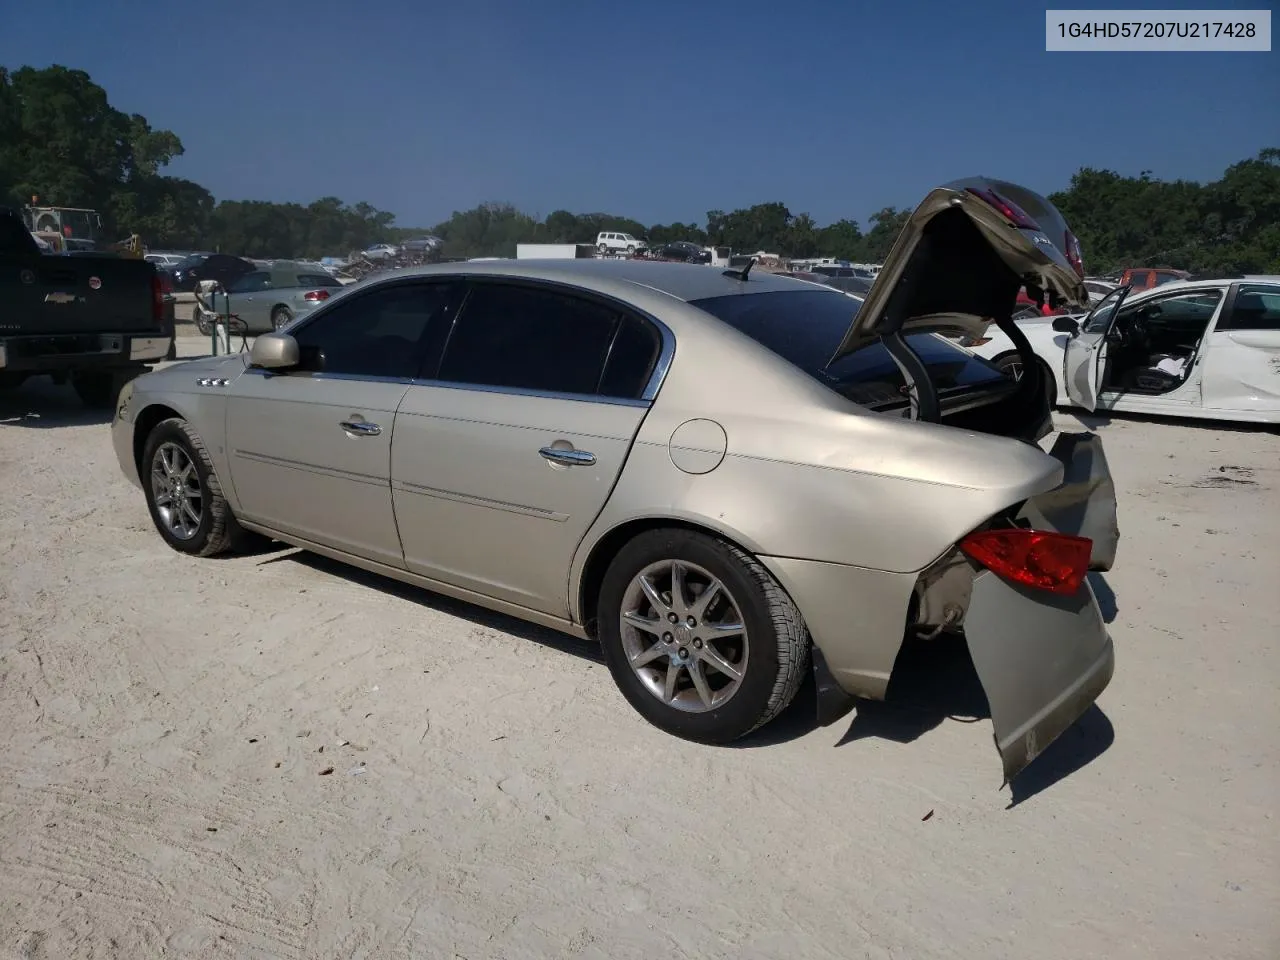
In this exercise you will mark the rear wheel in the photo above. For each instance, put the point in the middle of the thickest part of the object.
(280, 316)
(700, 639)
(98, 389)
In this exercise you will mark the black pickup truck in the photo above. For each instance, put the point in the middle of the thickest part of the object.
(97, 321)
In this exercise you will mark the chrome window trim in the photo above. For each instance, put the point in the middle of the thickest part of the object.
(449, 385)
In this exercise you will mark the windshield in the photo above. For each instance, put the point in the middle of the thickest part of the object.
(805, 327)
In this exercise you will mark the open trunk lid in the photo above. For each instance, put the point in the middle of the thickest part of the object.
(963, 256)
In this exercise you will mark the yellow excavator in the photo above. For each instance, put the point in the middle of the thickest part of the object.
(71, 229)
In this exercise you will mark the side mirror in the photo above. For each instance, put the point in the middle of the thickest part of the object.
(1066, 325)
(274, 351)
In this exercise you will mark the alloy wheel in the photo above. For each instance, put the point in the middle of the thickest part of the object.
(684, 636)
(175, 487)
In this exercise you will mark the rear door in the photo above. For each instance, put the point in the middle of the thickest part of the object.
(1085, 354)
(505, 456)
(1240, 369)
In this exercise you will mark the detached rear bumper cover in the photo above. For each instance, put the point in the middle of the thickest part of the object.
(1084, 504)
(1042, 658)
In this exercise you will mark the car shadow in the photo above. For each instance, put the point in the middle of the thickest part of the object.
(480, 616)
(934, 681)
(42, 404)
(1105, 596)
(1093, 421)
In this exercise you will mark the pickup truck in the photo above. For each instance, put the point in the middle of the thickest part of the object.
(95, 320)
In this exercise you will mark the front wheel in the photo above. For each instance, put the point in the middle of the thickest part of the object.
(699, 638)
(183, 493)
(280, 316)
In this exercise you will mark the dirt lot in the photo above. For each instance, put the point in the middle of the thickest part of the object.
(272, 756)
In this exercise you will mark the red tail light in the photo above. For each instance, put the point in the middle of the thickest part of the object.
(1055, 562)
(314, 295)
(1008, 209)
(1074, 256)
(157, 298)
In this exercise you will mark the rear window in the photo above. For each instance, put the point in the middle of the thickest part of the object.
(318, 280)
(805, 327)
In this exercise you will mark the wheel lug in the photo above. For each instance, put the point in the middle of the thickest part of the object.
(692, 622)
(672, 617)
(684, 654)
(666, 638)
(697, 644)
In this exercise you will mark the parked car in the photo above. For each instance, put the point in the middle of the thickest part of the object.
(271, 299)
(421, 245)
(721, 475)
(1207, 349)
(221, 267)
(847, 284)
(382, 251)
(165, 260)
(610, 242)
(1148, 278)
(685, 252)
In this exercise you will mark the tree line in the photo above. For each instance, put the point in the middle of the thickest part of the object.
(62, 140)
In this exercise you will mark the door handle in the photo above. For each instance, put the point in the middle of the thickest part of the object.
(360, 428)
(567, 458)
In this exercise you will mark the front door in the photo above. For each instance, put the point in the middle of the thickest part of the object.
(310, 449)
(505, 459)
(1085, 354)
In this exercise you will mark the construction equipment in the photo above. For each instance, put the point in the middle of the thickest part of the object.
(76, 229)
(65, 229)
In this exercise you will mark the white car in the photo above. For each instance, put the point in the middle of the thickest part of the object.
(382, 251)
(613, 242)
(1208, 349)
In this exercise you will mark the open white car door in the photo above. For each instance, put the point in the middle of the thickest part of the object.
(1086, 351)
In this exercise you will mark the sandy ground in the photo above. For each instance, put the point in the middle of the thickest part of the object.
(273, 756)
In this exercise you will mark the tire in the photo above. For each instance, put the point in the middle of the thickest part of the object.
(280, 316)
(216, 530)
(631, 251)
(1011, 362)
(602, 250)
(203, 325)
(774, 650)
(98, 389)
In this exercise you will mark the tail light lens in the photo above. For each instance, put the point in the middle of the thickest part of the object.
(314, 295)
(1007, 208)
(157, 298)
(1074, 257)
(1056, 562)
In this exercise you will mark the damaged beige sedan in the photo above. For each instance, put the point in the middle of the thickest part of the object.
(728, 478)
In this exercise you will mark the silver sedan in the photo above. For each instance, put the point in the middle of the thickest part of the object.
(728, 478)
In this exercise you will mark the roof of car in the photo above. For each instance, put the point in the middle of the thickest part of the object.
(1174, 285)
(684, 281)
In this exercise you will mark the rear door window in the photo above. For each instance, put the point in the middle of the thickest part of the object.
(516, 337)
(1256, 307)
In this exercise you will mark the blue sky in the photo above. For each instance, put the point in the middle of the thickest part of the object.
(659, 110)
